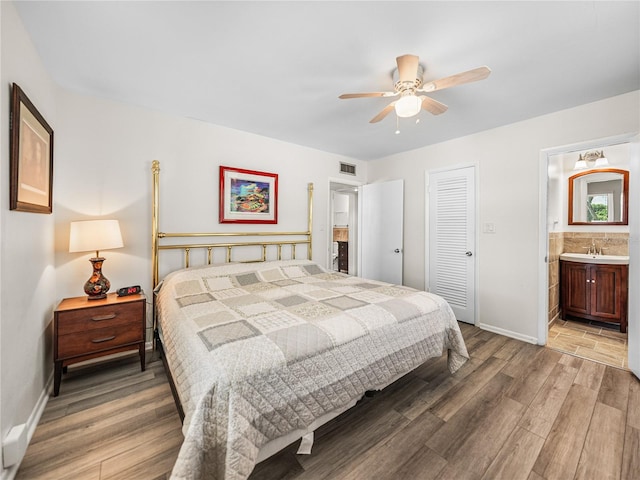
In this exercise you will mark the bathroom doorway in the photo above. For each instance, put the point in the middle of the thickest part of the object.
(343, 229)
(597, 340)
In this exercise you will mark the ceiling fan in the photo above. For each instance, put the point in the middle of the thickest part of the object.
(408, 84)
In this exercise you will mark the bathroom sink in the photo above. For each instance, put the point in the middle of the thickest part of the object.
(591, 258)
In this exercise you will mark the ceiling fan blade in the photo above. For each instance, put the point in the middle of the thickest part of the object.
(407, 68)
(370, 94)
(433, 106)
(385, 111)
(469, 76)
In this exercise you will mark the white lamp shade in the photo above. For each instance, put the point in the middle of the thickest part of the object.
(580, 165)
(95, 235)
(601, 161)
(408, 106)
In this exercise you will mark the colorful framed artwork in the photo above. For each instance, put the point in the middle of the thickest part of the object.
(248, 196)
(31, 156)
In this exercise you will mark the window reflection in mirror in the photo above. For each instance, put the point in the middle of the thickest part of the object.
(599, 197)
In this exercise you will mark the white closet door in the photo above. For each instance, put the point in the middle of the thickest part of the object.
(452, 239)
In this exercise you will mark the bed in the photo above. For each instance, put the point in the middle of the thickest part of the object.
(260, 354)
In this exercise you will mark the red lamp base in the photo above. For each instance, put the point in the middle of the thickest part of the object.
(98, 285)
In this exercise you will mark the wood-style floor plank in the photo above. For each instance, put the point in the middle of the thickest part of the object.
(516, 411)
(544, 407)
(517, 456)
(602, 452)
(560, 454)
(631, 454)
(614, 388)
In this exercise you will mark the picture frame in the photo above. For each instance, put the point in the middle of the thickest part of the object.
(31, 156)
(248, 196)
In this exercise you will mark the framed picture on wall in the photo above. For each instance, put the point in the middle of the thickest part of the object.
(248, 196)
(31, 156)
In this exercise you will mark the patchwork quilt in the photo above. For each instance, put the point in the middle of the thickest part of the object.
(261, 350)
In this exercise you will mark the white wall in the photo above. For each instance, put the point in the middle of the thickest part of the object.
(105, 151)
(27, 274)
(507, 160)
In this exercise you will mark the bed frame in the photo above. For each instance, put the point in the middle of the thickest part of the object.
(216, 241)
(299, 238)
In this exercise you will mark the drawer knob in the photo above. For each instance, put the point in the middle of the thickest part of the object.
(100, 318)
(105, 339)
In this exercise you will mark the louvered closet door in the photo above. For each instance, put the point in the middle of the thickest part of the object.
(451, 247)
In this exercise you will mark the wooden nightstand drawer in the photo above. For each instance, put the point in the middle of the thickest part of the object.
(97, 340)
(85, 329)
(99, 317)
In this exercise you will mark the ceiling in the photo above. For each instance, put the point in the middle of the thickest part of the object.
(276, 68)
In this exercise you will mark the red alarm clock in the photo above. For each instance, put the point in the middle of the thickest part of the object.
(124, 291)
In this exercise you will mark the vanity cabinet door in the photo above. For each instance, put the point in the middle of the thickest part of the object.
(343, 257)
(609, 292)
(576, 288)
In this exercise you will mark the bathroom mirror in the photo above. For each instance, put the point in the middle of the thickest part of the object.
(599, 197)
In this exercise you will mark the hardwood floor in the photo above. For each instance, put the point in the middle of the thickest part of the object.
(515, 411)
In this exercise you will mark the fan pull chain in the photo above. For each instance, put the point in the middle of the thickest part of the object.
(397, 125)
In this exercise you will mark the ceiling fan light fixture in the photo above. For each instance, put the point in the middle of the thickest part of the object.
(408, 106)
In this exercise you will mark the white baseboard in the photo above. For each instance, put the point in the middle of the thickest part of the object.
(32, 423)
(508, 333)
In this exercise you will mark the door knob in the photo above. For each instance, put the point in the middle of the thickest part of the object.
(468, 253)
(397, 250)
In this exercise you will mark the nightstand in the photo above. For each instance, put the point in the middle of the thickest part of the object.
(85, 329)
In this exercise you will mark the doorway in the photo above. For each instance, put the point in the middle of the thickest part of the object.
(343, 230)
(587, 338)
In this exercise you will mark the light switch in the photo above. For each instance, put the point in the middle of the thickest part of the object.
(489, 228)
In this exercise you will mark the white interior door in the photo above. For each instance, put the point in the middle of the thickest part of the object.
(451, 211)
(633, 330)
(381, 213)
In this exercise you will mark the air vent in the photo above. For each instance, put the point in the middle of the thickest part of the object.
(347, 168)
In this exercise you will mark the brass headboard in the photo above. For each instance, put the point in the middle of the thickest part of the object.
(304, 238)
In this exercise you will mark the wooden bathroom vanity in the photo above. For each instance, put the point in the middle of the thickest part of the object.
(594, 290)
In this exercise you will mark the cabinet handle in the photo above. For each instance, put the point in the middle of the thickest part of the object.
(105, 339)
(100, 318)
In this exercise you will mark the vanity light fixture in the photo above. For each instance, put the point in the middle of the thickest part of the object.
(596, 156)
(581, 163)
(601, 161)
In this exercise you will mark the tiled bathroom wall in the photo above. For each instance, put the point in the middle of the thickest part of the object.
(556, 247)
(611, 243)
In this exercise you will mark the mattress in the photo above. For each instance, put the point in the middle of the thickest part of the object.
(258, 351)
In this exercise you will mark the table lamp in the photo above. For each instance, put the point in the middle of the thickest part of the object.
(88, 235)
